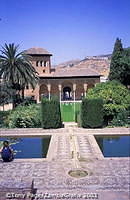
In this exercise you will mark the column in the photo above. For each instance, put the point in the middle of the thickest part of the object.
(49, 90)
(74, 89)
(37, 93)
(95, 84)
(60, 88)
(85, 88)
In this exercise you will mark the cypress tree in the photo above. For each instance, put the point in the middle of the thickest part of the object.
(51, 114)
(115, 66)
(92, 113)
(125, 63)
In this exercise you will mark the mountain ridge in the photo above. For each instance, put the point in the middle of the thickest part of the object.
(100, 63)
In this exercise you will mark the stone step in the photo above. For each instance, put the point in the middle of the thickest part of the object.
(70, 124)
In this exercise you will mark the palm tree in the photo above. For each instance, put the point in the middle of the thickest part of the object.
(16, 69)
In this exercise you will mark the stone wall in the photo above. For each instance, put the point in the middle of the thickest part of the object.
(41, 60)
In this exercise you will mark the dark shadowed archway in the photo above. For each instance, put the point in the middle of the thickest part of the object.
(43, 92)
(67, 93)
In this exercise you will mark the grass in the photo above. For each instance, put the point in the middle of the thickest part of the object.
(68, 111)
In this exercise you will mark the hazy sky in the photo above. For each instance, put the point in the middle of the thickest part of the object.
(69, 29)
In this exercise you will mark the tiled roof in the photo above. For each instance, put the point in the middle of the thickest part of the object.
(75, 72)
(37, 51)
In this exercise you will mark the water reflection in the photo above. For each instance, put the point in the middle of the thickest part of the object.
(28, 147)
(114, 146)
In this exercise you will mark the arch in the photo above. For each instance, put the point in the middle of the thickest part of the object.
(90, 85)
(41, 63)
(37, 63)
(79, 91)
(43, 91)
(67, 93)
(45, 63)
(67, 87)
(54, 90)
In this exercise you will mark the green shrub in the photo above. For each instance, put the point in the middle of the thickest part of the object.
(92, 113)
(51, 114)
(25, 117)
(116, 97)
(122, 119)
(3, 118)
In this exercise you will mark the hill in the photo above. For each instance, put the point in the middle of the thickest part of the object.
(100, 63)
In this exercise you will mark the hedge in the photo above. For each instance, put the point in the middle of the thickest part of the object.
(25, 117)
(51, 114)
(92, 113)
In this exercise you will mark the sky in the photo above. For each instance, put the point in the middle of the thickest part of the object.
(69, 29)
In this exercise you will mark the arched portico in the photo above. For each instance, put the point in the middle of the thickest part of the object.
(65, 90)
(54, 90)
(67, 93)
(43, 91)
(90, 85)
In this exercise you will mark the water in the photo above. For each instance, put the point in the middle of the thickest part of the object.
(114, 146)
(29, 147)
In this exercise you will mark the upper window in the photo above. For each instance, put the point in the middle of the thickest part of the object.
(45, 63)
(37, 63)
(27, 87)
(41, 63)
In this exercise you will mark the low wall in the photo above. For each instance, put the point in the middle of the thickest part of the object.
(6, 107)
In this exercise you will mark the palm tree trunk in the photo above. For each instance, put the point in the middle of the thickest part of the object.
(23, 93)
(3, 107)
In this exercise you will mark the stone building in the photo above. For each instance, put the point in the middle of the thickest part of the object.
(69, 83)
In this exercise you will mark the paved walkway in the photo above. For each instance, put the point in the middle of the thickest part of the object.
(69, 149)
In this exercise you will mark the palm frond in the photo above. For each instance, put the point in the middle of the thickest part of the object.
(15, 67)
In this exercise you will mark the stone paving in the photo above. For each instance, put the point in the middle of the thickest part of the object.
(109, 178)
(84, 147)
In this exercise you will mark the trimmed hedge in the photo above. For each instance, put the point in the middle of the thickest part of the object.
(51, 114)
(92, 113)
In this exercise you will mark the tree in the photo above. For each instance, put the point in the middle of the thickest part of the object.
(51, 113)
(120, 64)
(125, 63)
(92, 113)
(15, 68)
(116, 97)
(115, 66)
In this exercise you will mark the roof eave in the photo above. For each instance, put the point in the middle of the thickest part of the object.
(60, 77)
(30, 54)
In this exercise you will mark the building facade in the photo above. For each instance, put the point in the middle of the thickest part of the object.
(69, 84)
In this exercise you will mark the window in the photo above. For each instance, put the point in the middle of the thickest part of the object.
(27, 87)
(37, 63)
(41, 63)
(43, 70)
(45, 63)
